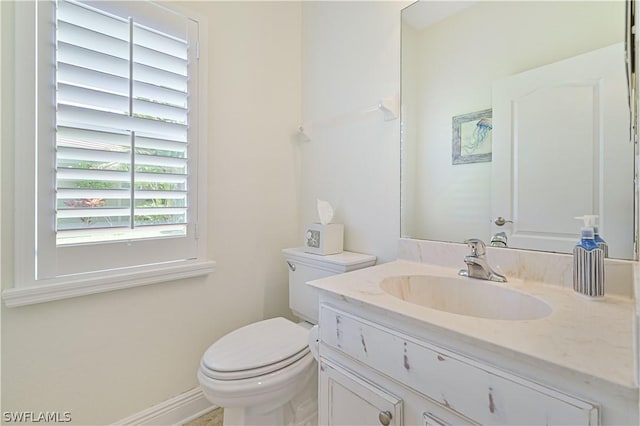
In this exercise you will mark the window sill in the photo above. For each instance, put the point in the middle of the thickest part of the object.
(68, 287)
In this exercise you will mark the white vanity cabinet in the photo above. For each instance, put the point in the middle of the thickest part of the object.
(373, 374)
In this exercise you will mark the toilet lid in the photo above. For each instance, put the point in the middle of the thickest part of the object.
(255, 372)
(262, 344)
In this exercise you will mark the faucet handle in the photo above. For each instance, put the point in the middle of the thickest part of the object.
(478, 247)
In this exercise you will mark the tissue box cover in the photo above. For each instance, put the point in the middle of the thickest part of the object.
(323, 239)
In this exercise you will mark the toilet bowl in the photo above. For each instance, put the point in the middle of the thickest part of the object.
(265, 373)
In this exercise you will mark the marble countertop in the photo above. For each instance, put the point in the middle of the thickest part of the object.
(590, 337)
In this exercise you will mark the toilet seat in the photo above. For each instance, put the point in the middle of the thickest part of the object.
(255, 350)
(269, 390)
(254, 372)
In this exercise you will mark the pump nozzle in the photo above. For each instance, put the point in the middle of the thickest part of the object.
(590, 220)
(589, 228)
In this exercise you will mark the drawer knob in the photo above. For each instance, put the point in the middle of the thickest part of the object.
(385, 418)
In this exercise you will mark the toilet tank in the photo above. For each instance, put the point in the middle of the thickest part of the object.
(304, 267)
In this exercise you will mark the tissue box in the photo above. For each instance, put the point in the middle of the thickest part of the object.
(323, 239)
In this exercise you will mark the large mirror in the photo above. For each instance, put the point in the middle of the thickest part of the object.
(515, 120)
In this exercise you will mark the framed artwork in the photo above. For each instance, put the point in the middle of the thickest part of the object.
(472, 137)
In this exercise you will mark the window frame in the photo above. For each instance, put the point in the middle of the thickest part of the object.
(34, 171)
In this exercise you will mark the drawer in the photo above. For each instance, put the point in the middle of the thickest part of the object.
(482, 393)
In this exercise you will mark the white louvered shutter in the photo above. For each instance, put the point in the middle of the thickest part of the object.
(122, 126)
(110, 146)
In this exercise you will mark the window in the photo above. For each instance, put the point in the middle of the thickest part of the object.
(121, 128)
(118, 147)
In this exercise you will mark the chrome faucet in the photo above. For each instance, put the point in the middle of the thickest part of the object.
(477, 265)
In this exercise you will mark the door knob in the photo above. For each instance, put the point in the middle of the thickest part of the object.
(385, 418)
(500, 221)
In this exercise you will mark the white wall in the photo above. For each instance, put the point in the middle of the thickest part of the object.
(410, 166)
(104, 357)
(454, 77)
(351, 59)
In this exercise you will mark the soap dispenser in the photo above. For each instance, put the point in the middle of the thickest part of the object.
(592, 221)
(588, 263)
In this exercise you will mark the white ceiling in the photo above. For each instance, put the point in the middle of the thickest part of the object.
(424, 13)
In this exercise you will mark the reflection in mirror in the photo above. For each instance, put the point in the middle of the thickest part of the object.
(515, 120)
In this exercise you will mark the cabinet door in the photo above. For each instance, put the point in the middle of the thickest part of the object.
(348, 400)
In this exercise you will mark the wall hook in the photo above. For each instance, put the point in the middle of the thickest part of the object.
(389, 107)
(302, 136)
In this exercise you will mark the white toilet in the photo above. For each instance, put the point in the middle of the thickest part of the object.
(264, 373)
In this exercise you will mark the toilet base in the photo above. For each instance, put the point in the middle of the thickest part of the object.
(302, 410)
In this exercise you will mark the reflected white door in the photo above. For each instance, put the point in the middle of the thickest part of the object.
(561, 149)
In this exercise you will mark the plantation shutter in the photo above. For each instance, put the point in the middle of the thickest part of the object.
(122, 122)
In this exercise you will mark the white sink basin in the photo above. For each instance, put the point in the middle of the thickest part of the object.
(466, 296)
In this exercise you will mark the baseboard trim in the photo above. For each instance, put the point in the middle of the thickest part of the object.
(175, 411)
